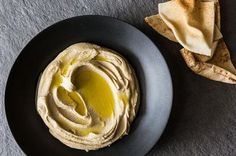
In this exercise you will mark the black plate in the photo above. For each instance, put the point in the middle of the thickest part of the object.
(26, 125)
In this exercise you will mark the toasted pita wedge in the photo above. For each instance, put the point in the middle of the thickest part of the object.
(159, 25)
(219, 68)
(222, 58)
(217, 33)
(217, 12)
(204, 58)
(192, 22)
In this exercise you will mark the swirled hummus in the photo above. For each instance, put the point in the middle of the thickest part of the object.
(88, 96)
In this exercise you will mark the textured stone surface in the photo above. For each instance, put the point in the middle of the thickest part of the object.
(203, 118)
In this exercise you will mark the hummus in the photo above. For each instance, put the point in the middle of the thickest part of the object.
(88, 96)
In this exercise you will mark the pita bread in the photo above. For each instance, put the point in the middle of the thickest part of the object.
(217, 33)
(222, 58)
(192, 23)
(219, 68)
(217, 12)
(159, 25)
(204, 58)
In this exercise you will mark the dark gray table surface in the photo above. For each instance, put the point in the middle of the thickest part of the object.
(203, 118)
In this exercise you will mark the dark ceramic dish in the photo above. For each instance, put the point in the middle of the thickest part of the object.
(26, 125)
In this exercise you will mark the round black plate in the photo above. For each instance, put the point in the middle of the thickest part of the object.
(26, 125)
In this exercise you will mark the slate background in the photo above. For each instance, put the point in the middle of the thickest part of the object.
(203, 118)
